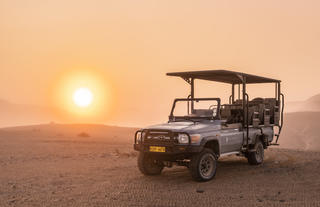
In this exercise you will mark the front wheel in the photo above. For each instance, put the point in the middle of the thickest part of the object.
(148, 165)
(256, 157)
(203, 166)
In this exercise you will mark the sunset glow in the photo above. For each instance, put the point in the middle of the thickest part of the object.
(82, 97)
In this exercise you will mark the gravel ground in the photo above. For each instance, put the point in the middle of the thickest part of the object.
(53, 166)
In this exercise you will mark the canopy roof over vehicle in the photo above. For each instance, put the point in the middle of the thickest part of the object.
(224, 76)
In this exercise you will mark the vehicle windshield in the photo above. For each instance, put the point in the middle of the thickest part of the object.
(195, 109)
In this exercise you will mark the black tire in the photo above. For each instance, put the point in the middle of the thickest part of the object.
(203, 166)
(148, 165)
(256, 157)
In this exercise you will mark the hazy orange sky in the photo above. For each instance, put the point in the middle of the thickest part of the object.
(128, 46)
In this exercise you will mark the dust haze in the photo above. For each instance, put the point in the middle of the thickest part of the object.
(95, 165)
(52, 155)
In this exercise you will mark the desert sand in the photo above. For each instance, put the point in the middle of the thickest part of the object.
(95, 165)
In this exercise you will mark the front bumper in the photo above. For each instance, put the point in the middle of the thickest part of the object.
(168, 139)
(172, 153)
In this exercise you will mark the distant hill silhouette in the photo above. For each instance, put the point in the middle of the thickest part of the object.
(17, 114)
(311, 104)
(314, 99)
(301, 131)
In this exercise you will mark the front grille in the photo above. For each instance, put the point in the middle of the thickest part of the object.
(159, 137)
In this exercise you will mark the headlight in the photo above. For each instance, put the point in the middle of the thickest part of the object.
(138, 137)
(195, 138)
(183, 138)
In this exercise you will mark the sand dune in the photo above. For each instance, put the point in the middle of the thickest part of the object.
(55, 165)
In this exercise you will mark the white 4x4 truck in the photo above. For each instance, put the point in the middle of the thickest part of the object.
(200, 130)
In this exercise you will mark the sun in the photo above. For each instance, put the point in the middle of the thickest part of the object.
(82, 97)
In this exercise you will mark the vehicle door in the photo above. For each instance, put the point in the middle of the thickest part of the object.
(231, 138)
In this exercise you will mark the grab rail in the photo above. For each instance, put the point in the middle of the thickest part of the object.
(230, 99)
(281, 116)
(188, 104)
(247, 118)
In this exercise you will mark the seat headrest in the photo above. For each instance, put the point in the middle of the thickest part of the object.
(203, 112)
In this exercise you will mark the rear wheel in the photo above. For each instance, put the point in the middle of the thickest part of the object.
(148, 165)
(203, 166)
(256, 157)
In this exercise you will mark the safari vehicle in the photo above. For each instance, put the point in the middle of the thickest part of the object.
(205, 129)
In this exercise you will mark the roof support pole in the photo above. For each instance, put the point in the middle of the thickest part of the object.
(278, 94)
(243, 95)
(192, 94)
(244, 108)
(276, 90)
(245, 105)
(232, 94)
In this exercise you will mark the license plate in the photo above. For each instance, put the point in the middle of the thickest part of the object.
(157, 149)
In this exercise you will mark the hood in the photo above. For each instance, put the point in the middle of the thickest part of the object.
(188, 126)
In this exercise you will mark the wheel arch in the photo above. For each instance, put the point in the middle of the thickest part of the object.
(212, 144)
(260, 137)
